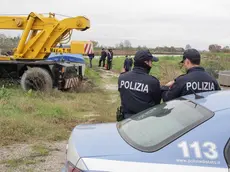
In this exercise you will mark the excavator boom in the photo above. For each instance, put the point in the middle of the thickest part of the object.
(42, 34)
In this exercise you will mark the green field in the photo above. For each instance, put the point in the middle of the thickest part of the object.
(34, 116)
(168, 67)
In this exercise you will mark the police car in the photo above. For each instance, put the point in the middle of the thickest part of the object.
(188, 134)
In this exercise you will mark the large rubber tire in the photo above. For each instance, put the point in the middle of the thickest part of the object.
(37, 79)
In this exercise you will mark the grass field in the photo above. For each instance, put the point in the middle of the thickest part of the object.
(32, 116)
(43, 122)
(168, 67)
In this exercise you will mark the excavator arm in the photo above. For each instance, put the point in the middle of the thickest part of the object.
(42, 34)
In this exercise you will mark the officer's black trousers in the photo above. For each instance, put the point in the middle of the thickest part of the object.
(103, 62)
(90, 63)
(109, 65)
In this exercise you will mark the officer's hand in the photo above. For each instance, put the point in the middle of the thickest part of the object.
(169, 84)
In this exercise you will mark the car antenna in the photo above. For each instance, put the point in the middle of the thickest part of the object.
(196, 95)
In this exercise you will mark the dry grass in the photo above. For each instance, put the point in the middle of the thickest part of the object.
(33, 116)
(168, 72)
(37, 154)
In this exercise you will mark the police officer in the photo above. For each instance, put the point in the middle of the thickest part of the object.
(91, 56)
(194, 81)
(131, 63)
(109, 60)
(139, 90)
(127, 66)
(103, 58)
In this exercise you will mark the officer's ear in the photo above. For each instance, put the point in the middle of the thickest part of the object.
(146, 62)
(187, 62)
(149, 62)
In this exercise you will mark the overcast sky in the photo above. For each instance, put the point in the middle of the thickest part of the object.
(143, 22)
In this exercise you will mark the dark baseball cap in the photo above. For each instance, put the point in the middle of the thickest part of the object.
(191, 54)
(145, 55)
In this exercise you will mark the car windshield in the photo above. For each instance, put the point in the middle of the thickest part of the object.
(154, 128)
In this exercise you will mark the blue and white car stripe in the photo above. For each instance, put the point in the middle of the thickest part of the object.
(118, 166)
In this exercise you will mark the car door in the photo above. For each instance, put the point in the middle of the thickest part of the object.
(227, 154)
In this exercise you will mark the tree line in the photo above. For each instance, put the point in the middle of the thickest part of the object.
(126, 45)
(7, 43)
(217, 48)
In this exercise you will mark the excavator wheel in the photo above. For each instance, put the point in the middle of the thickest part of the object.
(37, 79)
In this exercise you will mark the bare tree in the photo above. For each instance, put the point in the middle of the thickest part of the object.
(188, 46)
(127, 44)
(214, 48)
(121, 45)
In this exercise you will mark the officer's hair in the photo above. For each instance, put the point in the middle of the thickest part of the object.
(195, 61)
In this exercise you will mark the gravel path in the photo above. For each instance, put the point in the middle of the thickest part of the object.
(24, 157)
(106, 75)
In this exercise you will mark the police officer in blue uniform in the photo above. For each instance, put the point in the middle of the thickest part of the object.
(102, 58)
(109, 60)
(138, 90)
(196, 79)
(127, 64)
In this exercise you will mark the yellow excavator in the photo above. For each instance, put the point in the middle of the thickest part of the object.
(40, 37)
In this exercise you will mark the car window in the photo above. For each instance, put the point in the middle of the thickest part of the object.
(154, 128)
(227, 153)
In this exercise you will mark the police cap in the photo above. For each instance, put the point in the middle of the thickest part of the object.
(191, 54)
(144, 55)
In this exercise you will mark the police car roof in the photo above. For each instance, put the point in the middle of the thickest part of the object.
(213, 100)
